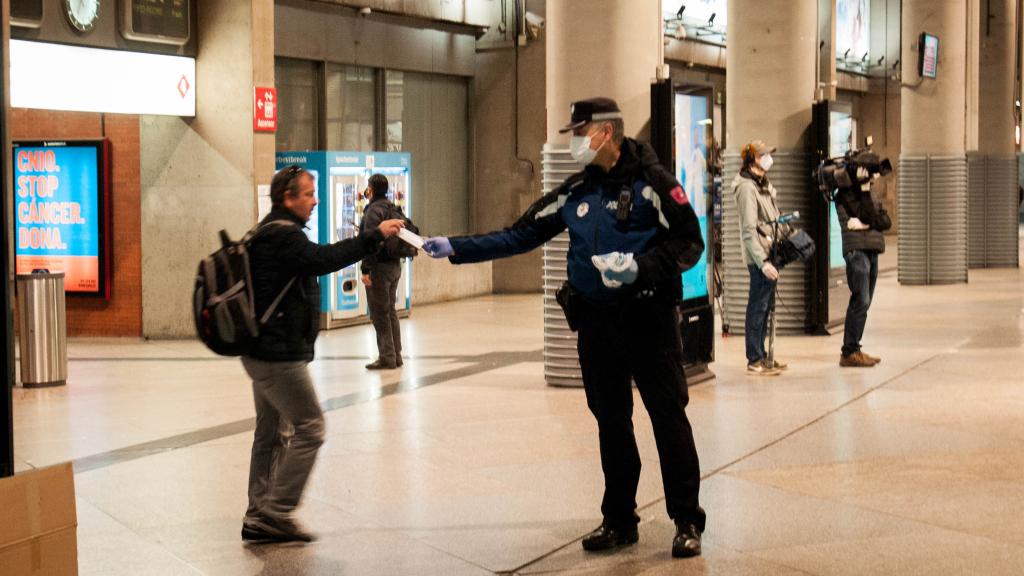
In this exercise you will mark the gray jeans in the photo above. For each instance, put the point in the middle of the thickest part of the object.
(381, 296)
(289, 432)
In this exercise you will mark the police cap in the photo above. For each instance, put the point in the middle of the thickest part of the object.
(591, 110)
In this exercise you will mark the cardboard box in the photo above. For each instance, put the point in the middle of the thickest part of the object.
(38, 523)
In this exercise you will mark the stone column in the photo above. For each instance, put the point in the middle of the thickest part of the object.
(200, 175)
(602, 48)
(933, 161)
(992, 210)
(770, 89)
(594, 48)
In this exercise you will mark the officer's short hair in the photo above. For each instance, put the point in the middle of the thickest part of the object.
(618, 129)
(379, 185)
(286, 180)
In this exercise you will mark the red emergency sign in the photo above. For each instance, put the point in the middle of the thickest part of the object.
(264, 110)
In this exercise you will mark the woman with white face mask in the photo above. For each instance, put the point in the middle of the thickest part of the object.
(755, 203)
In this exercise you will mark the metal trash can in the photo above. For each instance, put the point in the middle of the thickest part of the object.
(42, 329)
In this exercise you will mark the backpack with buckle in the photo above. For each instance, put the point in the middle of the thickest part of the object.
(223, 300)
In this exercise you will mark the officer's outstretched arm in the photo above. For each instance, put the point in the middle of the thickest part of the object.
(540, 223)
(684, 244)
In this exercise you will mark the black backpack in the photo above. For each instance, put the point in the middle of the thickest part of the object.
(395, 247)
(223, 302)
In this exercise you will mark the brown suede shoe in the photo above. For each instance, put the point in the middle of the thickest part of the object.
(856, 360)
(874, 359)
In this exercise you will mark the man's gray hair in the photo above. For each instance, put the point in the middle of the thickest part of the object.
(618, 129)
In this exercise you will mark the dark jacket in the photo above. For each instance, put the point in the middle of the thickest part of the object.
(377, 211)
(280, 253)
(852, 202)
(661, 229)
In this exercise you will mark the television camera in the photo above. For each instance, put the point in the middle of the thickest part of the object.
(855, 168)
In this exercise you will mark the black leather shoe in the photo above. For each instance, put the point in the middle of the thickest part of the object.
(380, 365)
(686, 544)
(278, 529)
(254, 535)
(606, 538)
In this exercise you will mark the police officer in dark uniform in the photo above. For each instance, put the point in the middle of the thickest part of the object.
(632, 234)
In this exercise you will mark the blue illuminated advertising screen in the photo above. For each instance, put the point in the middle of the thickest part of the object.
(60, 212)
(841, 136)
(693, 123)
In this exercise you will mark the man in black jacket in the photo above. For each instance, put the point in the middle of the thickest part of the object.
(285, 267)
(863, 241)
(381, 273)
(632, 233)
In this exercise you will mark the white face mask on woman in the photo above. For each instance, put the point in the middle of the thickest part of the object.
(766, 162)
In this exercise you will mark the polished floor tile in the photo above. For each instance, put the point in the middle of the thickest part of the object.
(464, 462)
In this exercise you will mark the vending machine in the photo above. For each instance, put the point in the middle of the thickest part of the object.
(341, 181)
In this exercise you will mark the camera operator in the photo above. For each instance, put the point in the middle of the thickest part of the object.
(862, 222)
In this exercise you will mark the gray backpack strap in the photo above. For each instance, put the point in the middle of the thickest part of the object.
(273, 305)
(248, 238)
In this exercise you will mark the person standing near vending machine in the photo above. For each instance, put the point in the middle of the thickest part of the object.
(381, 273)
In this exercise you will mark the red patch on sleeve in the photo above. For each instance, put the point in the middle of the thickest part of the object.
(680, 196)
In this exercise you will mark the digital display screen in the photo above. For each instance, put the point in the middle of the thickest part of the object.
(693, 128)
(841, 136)
(60, 212)
(27, 10)
(165, 21)
(929, 49)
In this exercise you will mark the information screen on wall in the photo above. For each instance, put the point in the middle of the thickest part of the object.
(162, 21)
(693, 126)
(60, 211)
(928, 49)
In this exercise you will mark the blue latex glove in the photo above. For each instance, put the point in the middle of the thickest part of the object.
(438, 247)
(616, 268)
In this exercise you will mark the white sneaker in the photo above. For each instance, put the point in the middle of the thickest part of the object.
(759, 368)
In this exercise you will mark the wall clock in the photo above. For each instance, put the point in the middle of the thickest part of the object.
(82, 13)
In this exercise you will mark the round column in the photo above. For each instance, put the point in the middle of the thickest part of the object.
(770, 89)
(601, 48)
(594, 48)
(992, 172)
(933, 161)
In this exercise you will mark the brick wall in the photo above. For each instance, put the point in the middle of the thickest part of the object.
(122, 314)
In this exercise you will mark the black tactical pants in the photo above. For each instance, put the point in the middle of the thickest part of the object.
(639, 341)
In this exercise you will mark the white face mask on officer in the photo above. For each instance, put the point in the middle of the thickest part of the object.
(766, 162)
(579, 147)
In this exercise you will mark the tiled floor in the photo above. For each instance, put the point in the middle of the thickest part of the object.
(466, 463)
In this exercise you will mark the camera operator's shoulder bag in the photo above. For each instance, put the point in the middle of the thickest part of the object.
(798, 246)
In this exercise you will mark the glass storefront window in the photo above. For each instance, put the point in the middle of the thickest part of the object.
(298, 104)
(427, 115)
(853, 35)
(704, 20)
(351, 107)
